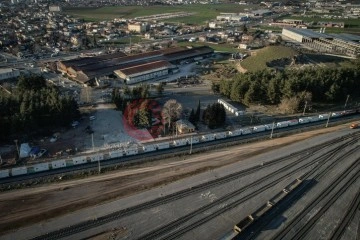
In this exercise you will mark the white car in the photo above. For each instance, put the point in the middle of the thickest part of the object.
(92, 118)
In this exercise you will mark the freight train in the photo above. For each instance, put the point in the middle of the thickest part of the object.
(151, 147)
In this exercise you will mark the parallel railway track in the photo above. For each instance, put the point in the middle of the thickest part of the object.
(83, 226)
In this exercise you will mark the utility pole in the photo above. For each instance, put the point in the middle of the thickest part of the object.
(92, 141)
(347, 98)
(190, 145)
(272, 130)
(304, 108)
(327, 123)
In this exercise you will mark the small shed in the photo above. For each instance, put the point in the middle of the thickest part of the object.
(184, 126)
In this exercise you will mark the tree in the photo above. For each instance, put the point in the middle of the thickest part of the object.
(142, 118)
(192, 117)
(214, 115)
(171, 111)
(197, 113)
(160, 88)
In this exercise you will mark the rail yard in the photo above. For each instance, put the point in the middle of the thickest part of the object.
(280, 194)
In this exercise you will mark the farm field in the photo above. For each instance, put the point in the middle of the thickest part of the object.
(202, 13)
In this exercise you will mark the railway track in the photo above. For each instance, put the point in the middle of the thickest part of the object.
(163, 230)
(83, 226)
(259, 224)
(348, 217)
(325, 194)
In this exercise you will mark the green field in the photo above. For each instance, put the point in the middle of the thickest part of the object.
(202, 12)
(258, 62)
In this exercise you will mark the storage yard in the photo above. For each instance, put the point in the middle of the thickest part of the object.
(279, 173)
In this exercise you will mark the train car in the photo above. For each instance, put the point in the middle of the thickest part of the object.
(116, 154)
(149, 148)
(324, 116)
(180, 142)
(304, 120)
(208, 137)
(4, 173)
(131, 151)
(282, 124)
(233, 133)
(163, 145)
(270, 126)
(245, 131)
(314, 119)
(293, 122)
(243, 224)
(260, 128)
(220, 135)
(337, 114)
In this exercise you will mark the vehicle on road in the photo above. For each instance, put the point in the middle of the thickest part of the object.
(354, 125)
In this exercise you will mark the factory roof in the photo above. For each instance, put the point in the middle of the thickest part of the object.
(309, 33)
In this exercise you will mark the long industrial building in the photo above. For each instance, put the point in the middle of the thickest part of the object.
(347, 44)
(132, 69)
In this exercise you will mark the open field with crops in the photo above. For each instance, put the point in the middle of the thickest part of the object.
(201, 12)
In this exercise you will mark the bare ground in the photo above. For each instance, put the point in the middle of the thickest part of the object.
(28, 206)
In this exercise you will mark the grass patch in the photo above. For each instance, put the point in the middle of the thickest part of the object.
(202, 12)
(258, 62)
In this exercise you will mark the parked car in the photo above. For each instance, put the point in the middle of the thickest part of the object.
(92, 118)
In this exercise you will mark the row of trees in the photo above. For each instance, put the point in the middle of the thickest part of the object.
(269, 87)
(33, 107)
